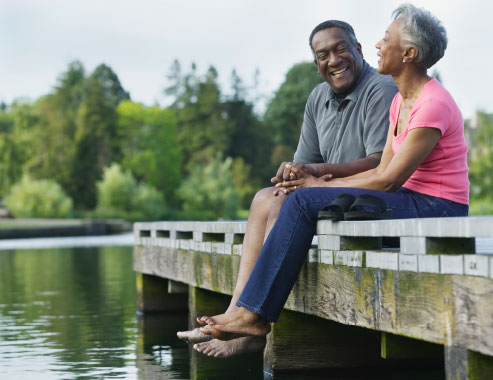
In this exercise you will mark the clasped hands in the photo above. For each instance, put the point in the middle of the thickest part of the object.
(292, 176)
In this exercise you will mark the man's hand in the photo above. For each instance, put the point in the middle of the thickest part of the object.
(288, 187)
(292, 170)
(289, 171)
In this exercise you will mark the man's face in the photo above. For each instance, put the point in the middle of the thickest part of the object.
(338, 60)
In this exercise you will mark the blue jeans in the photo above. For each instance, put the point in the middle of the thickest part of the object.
(286, 247)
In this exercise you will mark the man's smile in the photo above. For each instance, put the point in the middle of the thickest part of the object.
(340, 71)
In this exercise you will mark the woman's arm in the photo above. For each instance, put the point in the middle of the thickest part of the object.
(392, 174)
(384, 161)
(312, 181)
(393, 170)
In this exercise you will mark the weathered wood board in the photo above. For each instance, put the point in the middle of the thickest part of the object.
(453, 310)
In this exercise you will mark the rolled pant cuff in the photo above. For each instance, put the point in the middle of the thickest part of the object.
(257, 311)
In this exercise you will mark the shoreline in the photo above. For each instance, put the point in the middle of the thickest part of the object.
(37, 228)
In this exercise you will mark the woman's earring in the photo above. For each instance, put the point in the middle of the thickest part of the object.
(403, 61)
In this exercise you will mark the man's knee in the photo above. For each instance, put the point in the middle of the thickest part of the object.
(265, 199)
(299, 198)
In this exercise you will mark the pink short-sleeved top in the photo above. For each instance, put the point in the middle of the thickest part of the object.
(443, 173)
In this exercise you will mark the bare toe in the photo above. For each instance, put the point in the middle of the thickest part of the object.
(205, 320)
(225, 349)
(200, 347)
(193, 336)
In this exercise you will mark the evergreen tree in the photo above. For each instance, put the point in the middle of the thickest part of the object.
(96, 143)
(203, 126)
(248, 139)
(54, 133)
(284, 114)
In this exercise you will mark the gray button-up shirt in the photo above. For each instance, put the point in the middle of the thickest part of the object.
(343, 130)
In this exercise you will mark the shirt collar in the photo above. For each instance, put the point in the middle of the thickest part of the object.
(353, 95)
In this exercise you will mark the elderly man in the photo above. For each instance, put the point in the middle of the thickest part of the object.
(343, 133)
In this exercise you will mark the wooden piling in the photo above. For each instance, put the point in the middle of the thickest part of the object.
(153, 295)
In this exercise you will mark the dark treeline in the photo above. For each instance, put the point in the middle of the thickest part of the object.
(86, 149)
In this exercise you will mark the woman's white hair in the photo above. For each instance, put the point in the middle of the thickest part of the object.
(423, 31)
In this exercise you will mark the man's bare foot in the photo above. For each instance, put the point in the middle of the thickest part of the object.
(235, 324)
(193, 336)
(220, 349)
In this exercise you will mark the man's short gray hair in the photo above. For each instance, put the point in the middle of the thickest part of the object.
(424, 31)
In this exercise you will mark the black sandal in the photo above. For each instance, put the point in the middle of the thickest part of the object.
(335, 210)
(368, 207)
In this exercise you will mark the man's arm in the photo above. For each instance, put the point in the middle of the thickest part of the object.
(347, 168)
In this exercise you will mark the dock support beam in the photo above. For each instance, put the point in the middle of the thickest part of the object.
(153, 295)
(400, 347)
(299, 341)
(462, 364)
(204, 302)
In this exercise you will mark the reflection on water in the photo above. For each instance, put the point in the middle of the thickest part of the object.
(71, 314)
(67, 313)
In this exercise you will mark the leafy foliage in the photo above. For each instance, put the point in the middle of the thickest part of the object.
(52, 133)
(38, 199)
(481, 162)
(284, 115)
(88, 122)
(12, 154)
(119, 196)
(95, 137)
(149, 146)
(203, 127)
(209, 193)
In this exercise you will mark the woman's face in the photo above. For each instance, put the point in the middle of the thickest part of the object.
(390, 50)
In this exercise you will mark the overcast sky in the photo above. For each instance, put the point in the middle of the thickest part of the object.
(140, 39)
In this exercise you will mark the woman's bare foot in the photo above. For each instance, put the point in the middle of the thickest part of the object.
(220, 349)
(193, 336)
(235, 324)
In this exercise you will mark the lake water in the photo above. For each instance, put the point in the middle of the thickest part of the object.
(69, 313)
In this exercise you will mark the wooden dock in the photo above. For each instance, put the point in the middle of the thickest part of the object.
(428, 301)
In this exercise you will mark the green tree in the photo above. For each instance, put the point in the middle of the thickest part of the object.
(113, 91)
(149, 146)
(119, 195)
(284, 114)
(244, 181)
(481, 158)
(203, 126)
(53, 133)
(209, 193)
(17, 141)
(8, 153)
(249, 139)
(183, 87)
(38, 199)
(95, 138)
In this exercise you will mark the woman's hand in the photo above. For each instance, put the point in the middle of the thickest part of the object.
(288, 187)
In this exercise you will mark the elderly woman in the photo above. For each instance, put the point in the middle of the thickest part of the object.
(423, 173)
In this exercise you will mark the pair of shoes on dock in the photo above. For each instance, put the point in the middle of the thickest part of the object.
(349, 207)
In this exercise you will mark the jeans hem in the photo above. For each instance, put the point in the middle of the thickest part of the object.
(256, 310)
